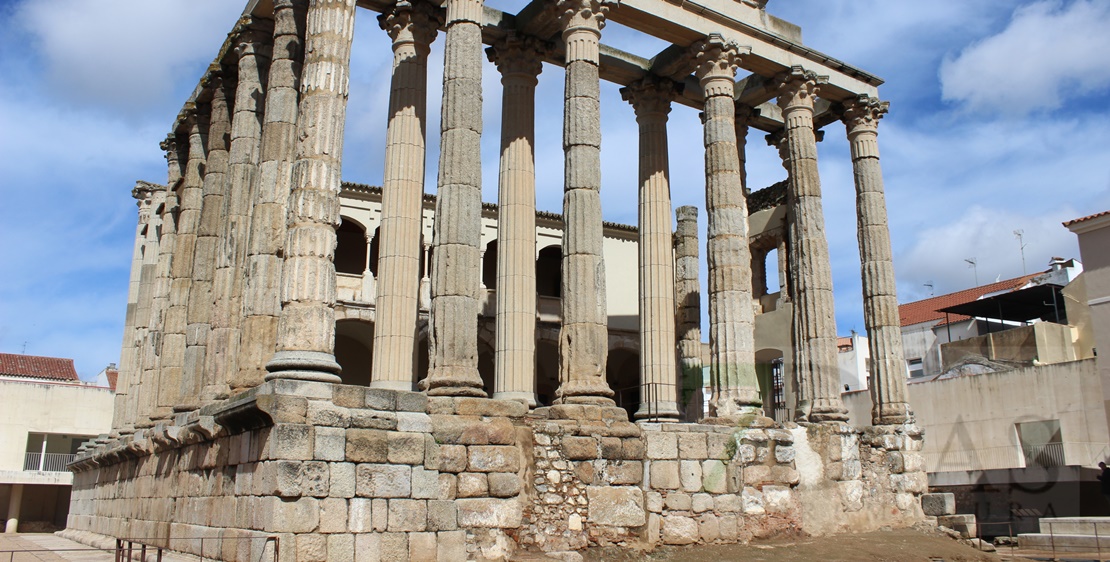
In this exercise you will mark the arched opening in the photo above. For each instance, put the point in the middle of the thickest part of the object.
(549, 272)
(547, 371)
(350, 248)
(771, 270)
(622, 372)
(486, 366)
(771, 374)
(354, 345)
(374, 243)
(489, 265)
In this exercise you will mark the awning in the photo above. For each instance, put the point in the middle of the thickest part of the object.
(1042, 302)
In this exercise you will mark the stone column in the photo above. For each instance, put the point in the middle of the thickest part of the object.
(584, 333)
(121, 423)
(15, 502)
(412, 25)
(197, 376)
(651, 99)
(159, 303)
(262, 295)
(306, 329)
(188, 224)
(254, 49)
(688, 309)
(138, 384)
(815, 327)
(519, 60)
(784, 269)
(880, 301)
(457, 263)
(731, 317)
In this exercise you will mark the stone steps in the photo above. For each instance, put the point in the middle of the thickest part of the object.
(1076, 526)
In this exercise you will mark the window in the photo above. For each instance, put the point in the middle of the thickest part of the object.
(915, 368)
(1041, 443)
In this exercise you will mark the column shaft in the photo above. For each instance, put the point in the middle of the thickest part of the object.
(254, 50)
(15, 502)
(890, 404)
(659, 395)
(188, 224)
(584, 335)
(262, 295)
(160, 297)
(138, 383)
(515, 367)
(815, 324)
(306, 330)
(214, 190)
(412, 26)
(129, 351)
(688, 310)
(456, 262)
(731, 316)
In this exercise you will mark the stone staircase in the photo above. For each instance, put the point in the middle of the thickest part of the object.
(1069, 534)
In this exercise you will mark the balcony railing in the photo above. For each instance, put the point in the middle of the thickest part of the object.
(48, 462)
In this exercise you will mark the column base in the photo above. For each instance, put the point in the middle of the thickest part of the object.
(304, 365)
(528, 398)
(896, 413)
(453, 381)
(592, 390)
(660, 411)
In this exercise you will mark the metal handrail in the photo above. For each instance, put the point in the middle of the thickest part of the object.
(125, 547)
(48, 462)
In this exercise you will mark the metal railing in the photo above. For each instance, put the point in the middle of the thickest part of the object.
(1049, 454)
(47, 462)
(644, 399)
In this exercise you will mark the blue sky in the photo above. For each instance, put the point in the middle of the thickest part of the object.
(1000, 120)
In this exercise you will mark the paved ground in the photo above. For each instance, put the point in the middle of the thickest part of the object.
(45, 547)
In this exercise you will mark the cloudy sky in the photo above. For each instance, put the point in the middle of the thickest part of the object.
(1000, 121)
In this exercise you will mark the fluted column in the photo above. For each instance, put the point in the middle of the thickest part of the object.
(159, 303)
(880, 299)
(188, 223)
(815, 325)
(140, 384)
(412, 25)
(214, 190)
(688, 309)
(138, 306)
(306, 329)
(731, 317)
(651, 99)
(584, 334)
(518, 59)
(254, 49)
(262, 295)
(457, 264)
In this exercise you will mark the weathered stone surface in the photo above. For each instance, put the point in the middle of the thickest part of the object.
(938, 504)
(383, 480)
(616, 506)
(503, 485)
(679, 530)
(407, 515)
(503, 513)
(368, 445)
(661, 446)
(405, 448)
(493, 458)
(664, 475)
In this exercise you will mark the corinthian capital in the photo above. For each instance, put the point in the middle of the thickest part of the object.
(797, 87)
(863, 113)
(777, 140)
(716, 61)
(518, 55)
(588, 14)
(412, 21)
(651, 96)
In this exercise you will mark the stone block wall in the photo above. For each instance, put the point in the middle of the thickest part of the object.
(339, 472)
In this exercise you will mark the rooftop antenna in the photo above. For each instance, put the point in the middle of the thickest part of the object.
(1021, 246)
(24, 352)
(929, 284)
(973, 263)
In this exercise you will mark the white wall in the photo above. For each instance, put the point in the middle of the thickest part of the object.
(43, 407)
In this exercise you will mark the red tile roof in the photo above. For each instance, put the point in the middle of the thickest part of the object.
(55, 368)
(1086, 218)
(926, 310)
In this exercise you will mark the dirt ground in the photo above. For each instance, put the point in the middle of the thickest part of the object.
(900, 545)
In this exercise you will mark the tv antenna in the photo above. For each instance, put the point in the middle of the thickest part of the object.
(929, 284)
(973, 263)
(1019, 233)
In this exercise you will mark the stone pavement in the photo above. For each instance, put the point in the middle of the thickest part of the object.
(51, 548)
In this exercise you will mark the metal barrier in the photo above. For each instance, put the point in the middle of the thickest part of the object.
(125, 548)
(1052, 538)
(1009, 533)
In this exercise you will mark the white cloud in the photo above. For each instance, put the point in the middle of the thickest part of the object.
(1051, 51)
(124, 54)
